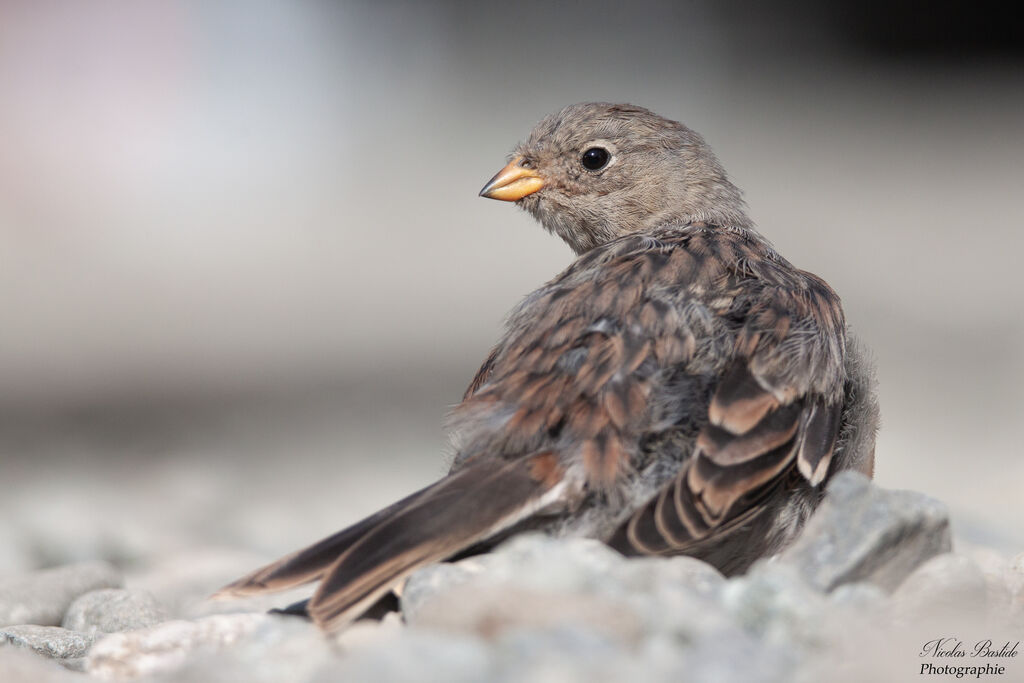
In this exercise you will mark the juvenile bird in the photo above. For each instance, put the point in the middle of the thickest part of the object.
(679, 389)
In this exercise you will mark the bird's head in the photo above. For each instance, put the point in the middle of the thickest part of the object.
(596, 171)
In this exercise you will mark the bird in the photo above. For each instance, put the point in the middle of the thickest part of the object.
(680, 388)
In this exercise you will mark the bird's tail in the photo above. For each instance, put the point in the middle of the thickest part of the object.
(358, 565)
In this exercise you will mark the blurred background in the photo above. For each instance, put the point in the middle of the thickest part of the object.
(244, 271)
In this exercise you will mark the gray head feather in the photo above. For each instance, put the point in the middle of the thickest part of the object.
(660, 172)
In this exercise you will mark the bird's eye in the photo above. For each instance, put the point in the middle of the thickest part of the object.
(595, 158)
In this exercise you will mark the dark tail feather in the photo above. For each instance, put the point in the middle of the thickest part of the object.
(296, 609)
(453, 514)
(375, 612)
(362, 563)
(308, 564)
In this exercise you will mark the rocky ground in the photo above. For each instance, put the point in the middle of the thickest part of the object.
(871, 581)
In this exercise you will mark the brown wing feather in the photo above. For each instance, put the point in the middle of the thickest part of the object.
(718, 490)
(819, 441)
(775, 410)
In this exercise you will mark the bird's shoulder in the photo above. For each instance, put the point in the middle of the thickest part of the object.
(587, 357)
(694, 262)
(693, 294)
(727, 272)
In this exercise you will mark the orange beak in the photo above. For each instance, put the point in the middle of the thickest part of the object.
(512, 182)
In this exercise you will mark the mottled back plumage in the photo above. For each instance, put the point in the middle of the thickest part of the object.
(680, 388)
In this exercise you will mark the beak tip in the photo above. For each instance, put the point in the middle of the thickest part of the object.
(512, 183)
(493, 185)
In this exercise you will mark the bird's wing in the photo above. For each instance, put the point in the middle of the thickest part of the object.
(362, 563)
(776, 407)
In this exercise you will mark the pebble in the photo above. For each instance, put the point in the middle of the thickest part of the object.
(417, 657)
(774, 602)
(113, 610)
(861, 532)
(50, 641)
(947, 585)
(42, 597)
(171, 645)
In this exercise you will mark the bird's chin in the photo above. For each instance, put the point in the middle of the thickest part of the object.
(532, 203)
(535, 205)
(556, 219)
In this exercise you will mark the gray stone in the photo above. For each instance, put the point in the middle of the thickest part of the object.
(43, 597)
(680, 596)
(49, 641)
(72, 663)
(367, 632)
(578, 655)
(530, 563)
(996, 569)
(686, 571)
(553, 565)
(431, 581)
(173, 645)
(738, 657)
(857, 596)
(864, 533)
(775, 603)
(417, 657)
(281, 649)
(545, 563)
(578, 588)
(489, 610)
(945, 585)
(113, 610)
